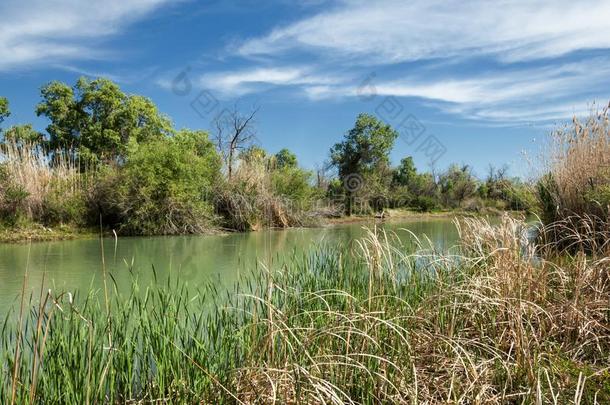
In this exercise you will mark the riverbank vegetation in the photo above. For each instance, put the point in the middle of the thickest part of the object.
(499, 319)
(113, 159)
(574, 190)
(513, 314)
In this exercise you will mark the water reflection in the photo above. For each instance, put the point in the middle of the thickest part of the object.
(77, 265)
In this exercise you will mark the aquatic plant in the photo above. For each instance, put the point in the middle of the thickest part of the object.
(494, 321)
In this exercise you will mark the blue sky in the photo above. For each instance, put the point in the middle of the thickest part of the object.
(485, 80)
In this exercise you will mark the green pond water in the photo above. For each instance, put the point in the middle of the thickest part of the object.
(69, 266)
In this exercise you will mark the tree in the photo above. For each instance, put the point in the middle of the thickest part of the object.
(234, 132)
(98, 120)
(405, 173)
(285, 158)
(365, 147)
(4, 111)
(20, 134)
(457, 184)
(363, 152)
(164, 187)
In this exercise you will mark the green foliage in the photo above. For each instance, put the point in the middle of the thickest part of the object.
(63, 206)
(143, 177)
(20, 134)
(365, 147)
(4, 110)
(364, 151)
(285, 158)
(599, 195)
(97, 119)
(293, 183)
(424, 203)
(405, 174)
(546, 189)
(456, 185)
(12, 198)
(164, 186)
(520, 196)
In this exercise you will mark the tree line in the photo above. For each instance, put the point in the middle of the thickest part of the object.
(111, 158)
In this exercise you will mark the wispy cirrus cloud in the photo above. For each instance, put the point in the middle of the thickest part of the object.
(518, 61)
(249, 80)
(390, 31)
(522, 94)
(50, 31)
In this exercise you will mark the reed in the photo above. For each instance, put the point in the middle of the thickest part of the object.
(494, 321)
(47, 180)
(575, 192)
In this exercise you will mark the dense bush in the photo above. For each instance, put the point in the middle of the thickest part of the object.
(12, 198)
(163, 188)
(263, 193)
(63, 204)
(425, 204)
(293, 183)
(456, 185)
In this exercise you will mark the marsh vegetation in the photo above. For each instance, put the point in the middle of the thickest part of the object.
(511, 314)
(112, 159)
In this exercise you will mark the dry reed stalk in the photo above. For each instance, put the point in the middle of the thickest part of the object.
(579, 160)
(38, 172)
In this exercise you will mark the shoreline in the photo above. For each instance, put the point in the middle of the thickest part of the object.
(39, 233)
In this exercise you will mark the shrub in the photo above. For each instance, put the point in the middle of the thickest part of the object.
(258, 195)
(519, 197)
(163, 188)
(61, 205)
(292, 183)
(12, 198)
(424, 203)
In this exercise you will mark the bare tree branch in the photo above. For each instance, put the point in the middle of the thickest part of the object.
(235, 131)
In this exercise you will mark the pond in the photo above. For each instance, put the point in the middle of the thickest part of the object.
(68, 266)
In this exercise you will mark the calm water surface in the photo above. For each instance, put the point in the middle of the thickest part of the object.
(76, 265)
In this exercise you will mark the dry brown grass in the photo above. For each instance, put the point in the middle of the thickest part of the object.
(38, 174)
(575, 192)
(247, 201)
(579, 160)
(493, 323)
(501, 325)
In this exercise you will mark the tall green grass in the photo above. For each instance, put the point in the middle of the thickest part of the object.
(367, 324)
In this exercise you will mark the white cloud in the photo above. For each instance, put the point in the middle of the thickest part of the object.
(520, 42)
(43, 31)
(526, 94)
(244, 81)
(388, 31)
(511, 61)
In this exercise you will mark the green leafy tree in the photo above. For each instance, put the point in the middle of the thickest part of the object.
(364, 151)
(165, 186)
(456, 185)
(20, 134)
(293, 183)
(285, 158)
(405, 173)
(99, 120)
(4, 111)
